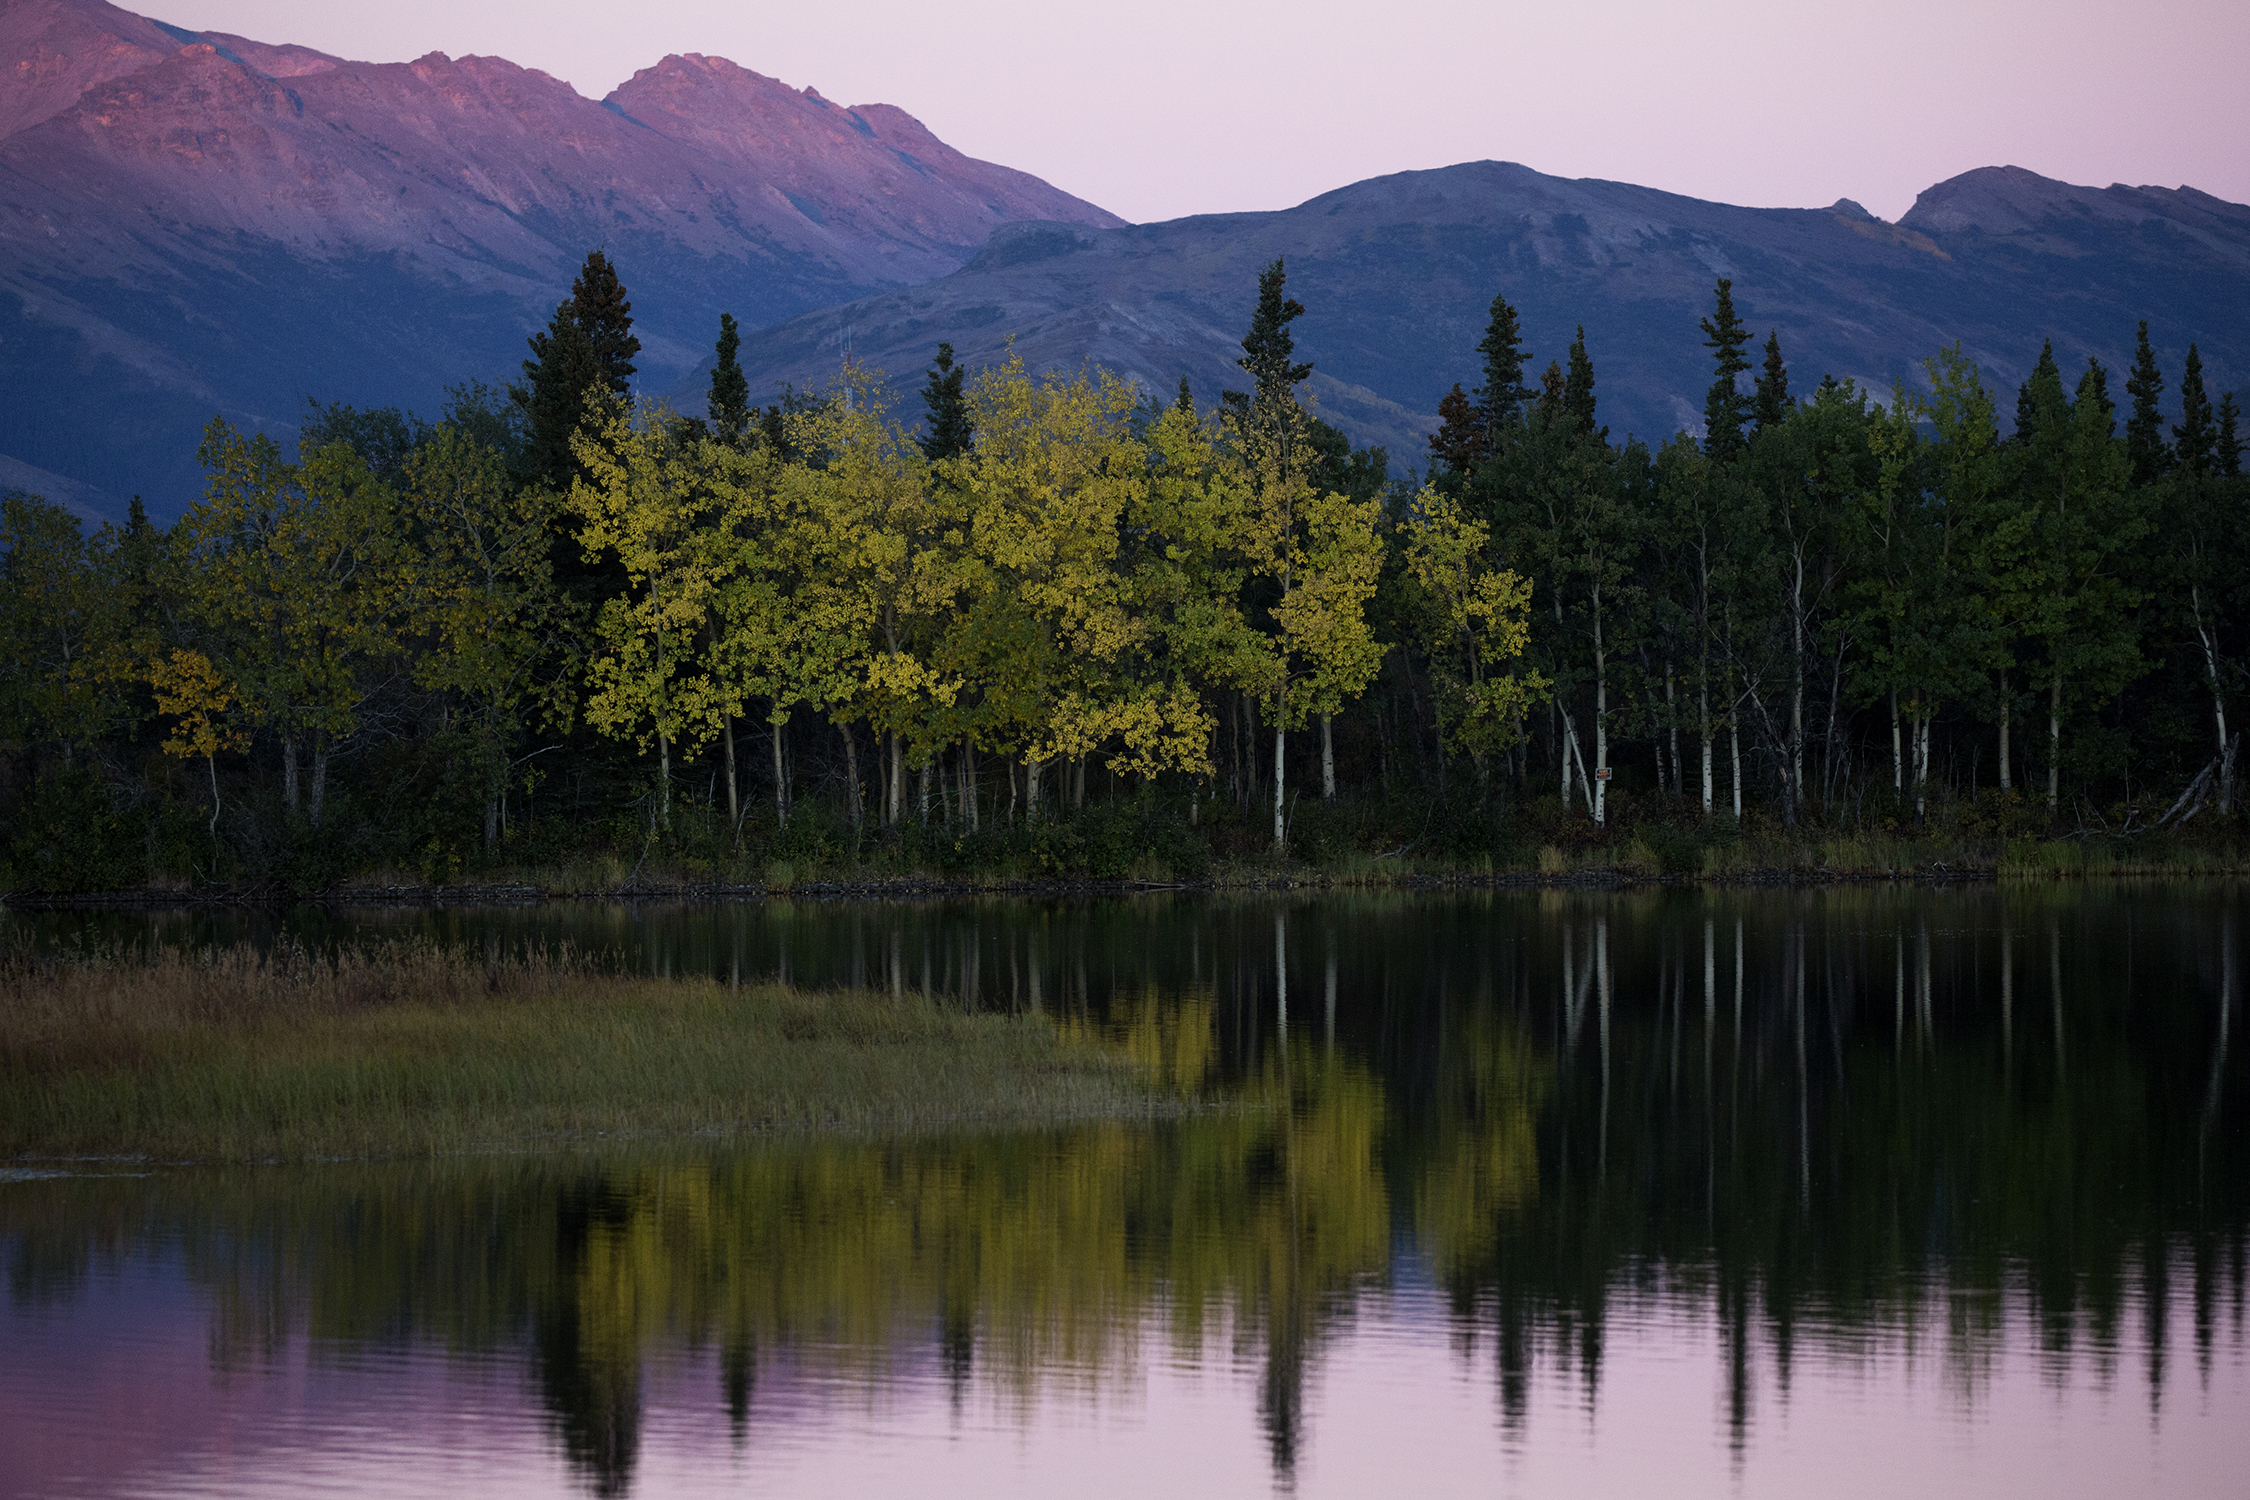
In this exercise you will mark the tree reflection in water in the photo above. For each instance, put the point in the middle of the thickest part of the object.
(1869, 1116)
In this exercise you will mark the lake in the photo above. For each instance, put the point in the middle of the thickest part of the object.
(1847, 1191)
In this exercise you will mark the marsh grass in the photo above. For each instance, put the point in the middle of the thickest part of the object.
(406, 1050)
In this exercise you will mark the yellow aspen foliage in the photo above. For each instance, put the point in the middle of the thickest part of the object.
(1475, 619)
(189, 688)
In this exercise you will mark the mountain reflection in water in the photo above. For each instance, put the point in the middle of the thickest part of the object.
(1863, 1189)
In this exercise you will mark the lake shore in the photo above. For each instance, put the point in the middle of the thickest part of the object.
(1755, 861)
(401, 1051)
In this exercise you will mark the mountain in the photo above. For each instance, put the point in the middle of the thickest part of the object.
(194, 223)
(1397, 276)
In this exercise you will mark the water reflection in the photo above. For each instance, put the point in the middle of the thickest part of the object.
(1882, 1133)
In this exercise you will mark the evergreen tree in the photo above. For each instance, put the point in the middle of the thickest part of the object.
(1268, 350)
(1500, 401)
(2041, 394)
(2230, 445)
(1459, 443)
(950, 429)
(1724, 408)
(730, 390)
(597, 301)
(1554, 395)
(1184, 403)
(1578, 388)
(1771, 404)
(2094, 386)
(588, 346)
(2194, 440)
(2144, 429)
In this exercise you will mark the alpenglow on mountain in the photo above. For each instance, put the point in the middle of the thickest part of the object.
(197, 223)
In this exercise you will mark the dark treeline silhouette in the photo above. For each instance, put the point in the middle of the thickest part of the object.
(1059, 625)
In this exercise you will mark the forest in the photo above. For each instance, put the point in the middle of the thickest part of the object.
(1031, 625)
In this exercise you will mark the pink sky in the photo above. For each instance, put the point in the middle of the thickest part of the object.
(1159, 108)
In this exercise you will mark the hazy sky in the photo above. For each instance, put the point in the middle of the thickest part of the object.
(1157, 108)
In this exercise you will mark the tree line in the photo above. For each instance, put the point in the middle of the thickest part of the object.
(559, 619)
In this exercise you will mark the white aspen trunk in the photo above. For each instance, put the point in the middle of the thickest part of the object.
(1703, 730)
(1601, 744)
(2211, 669)
(1898, 756)
(780, 782)
(1327, 762)
(1572, 753)
(1280, 819)
(894, 807)
(1601, 718)
(734, 805)
(1031, 788)
(1797, 688)
(664, 780)
(289, 772)
(1921, 766)
(1569, 744)
(213, 762)
(1734, 748)
(852, 806)
(2054, 747)
(922, 776)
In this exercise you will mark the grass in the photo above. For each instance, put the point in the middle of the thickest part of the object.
(402, 1051)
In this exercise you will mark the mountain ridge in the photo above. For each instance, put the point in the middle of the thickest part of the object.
(217, 224)
(1397, 274)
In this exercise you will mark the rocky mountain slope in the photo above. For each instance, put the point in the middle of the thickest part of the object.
(1397, 274)
(198, 223)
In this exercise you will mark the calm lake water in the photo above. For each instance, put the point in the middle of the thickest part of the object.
(1849, 1192)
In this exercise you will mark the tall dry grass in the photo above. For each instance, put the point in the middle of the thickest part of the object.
(399, 1050)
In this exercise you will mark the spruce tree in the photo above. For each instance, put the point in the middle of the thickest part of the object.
(2195, 439)
(949, 431)
(2230, 445)
(1578, 387)
(730, 390)
(2094, 386)
(1724, 408)
(1500, 401)
(2041, 394)
(1554, 395)
(597, 301)
(2144, 429)
(1770, 406)
(1459, 443)
(1268, 350)
(1184, 403)
(588, 346)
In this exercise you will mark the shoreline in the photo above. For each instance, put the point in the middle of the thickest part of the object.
(910, 889)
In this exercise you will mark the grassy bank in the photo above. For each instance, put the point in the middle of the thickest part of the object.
(1718, 853)
(404, 1051)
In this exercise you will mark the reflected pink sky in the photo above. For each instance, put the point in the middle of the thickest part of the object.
(1172, 107)
(116, 1393)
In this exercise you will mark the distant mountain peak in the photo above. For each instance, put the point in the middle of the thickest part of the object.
(2017, 200)
(196, 221)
